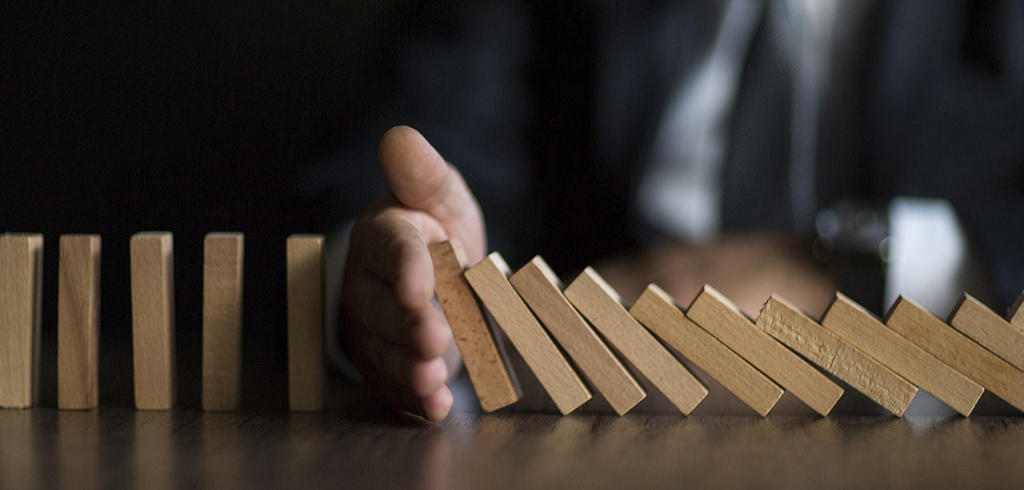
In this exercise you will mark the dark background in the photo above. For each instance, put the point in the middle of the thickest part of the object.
(191, 117)
(262, 117)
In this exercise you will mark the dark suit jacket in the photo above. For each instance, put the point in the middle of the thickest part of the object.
(549, 109)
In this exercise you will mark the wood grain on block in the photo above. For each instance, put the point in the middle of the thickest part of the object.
(541, 288)
(859, 327)
(489, 371)
(152, 271)
(601, 304)
(21, 264)
(987, 328)
(78, 322)
(222, 320)
(1016, 315)
(790, 326)
(305, 322)
(656, 310)
(952, 347)
(489, 279)
(716, 314)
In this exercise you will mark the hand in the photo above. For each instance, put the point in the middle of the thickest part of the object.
(397, 338)
(747, 269)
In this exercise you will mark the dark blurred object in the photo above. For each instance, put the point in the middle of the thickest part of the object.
(852, 239)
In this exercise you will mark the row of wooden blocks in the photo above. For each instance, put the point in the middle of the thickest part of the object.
(784, 349)
(153, 330)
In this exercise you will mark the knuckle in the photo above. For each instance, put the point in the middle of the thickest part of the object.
(398, 240)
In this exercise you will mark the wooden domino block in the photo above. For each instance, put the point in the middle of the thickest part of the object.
(305, 322)
(489, 279)
(656, 310)
(78, 322)
(1016, 315)
(716, 314)
(986, 327)
(790, 326)
(152, 271)
(541, 288)
(222, 321)
(601, 304)
(489, 371)
(21, 264)
(963, 354)
(859, 327)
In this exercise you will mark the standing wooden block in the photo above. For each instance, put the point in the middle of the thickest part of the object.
(152, 262)
(541, 288)
(78, 322)
(791, 327)
(21, 266)
(933, 335)
(489, 279)
(987, 328)
(222, 321)
(489, 371)
(305, 322)
(600, 304)
(1016, 315)
(716, 314)
(659, 313)
(859, 327)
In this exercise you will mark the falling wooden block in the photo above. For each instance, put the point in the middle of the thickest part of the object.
(790, 326)
(963, 354)
(489, 279)
(21, 265)
(600, 304)
(987, 328)
(489, 371)
(541, 288)
(656, 309)
(152, 264)
(1016, 315)
(222, 321)
(305, 322)
(859, 327)
(78, 322)
(716, 314)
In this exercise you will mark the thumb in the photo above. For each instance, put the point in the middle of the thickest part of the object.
(421, 179)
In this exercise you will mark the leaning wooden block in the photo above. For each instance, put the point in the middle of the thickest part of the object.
(1016, 315)
(600, 304)
(656, 310)
(222, 321)
(78, 322)
(859, 327)
(21, 264)
(791, 327)
(952, 347)
(542, 290)
(305, 322)
(492, 377)
(987, 328)
(721, 318)
(152, 271)
(489, 279)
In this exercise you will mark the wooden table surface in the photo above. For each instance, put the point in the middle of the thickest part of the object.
(368, 448)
